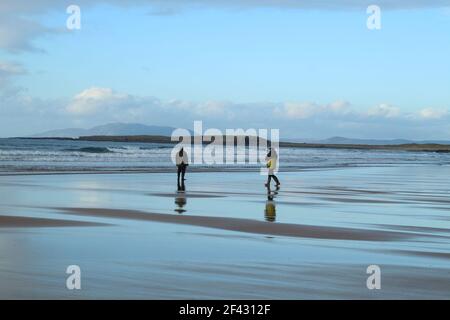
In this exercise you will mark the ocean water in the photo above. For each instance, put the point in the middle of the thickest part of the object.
(68, 155)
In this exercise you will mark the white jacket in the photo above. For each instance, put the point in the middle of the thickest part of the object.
(182, 159)
(273, 162)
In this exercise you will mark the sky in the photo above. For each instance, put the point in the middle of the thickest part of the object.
(312, 69)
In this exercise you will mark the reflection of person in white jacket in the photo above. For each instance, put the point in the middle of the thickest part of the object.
(272, 159)
(182, 163)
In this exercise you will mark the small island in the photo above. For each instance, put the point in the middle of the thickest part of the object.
(414, 147)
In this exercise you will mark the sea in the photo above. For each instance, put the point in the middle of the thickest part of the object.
(54, 155)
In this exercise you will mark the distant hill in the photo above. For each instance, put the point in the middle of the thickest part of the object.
(136, 129)
(343, 140)
(112, 129)
(430, 147)
(351, 141)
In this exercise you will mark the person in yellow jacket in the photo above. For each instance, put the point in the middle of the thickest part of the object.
(272, 159)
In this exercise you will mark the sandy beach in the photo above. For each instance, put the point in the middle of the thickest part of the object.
(314, 137)
(134, 236)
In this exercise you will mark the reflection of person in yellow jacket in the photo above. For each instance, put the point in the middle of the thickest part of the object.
(270, 212)
(272, 159)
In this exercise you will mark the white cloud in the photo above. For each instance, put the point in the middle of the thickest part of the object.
(434, 113)
(340, 106)
(298, 110)
(384, 110)
(212, 108)
(304, 110)
(97, 100)
(107, 103)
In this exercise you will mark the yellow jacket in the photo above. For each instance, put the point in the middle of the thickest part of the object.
(271, 164)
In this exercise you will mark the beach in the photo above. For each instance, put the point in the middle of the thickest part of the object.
(227, 237)
(314, 137)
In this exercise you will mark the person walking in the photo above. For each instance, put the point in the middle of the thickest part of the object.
(182, 163)
(272, 159)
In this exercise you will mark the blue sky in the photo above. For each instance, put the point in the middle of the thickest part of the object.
(311, 72)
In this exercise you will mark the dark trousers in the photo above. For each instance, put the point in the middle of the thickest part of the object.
(180, 174)
(269, 178)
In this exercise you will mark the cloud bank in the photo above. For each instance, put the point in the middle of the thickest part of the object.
(97, 105)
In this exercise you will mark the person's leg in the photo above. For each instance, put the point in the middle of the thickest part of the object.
(183, 172)
(178, 175)
(269, 177)
(276, 180)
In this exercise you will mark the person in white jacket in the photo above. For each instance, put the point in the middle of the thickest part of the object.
(182, 162)
(272, 159)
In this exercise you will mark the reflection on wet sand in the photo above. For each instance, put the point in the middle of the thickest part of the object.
(244, 225)
(31, 222)
(180, 201)
(180, 197)
(270, 213)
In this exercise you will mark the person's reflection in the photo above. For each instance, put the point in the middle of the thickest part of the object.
(270, 212)
(180, 200)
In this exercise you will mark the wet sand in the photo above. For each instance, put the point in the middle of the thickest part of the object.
(246, 225)
(134, 236)
(27, 222)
